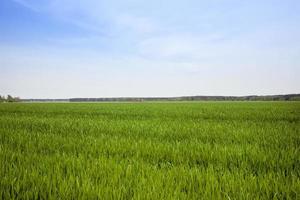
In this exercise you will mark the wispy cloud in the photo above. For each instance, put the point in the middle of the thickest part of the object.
(28, 5)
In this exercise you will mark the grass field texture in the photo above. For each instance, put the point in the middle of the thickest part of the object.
(196, 150)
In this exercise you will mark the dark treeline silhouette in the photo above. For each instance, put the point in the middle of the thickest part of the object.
(45, 100)
(288, 97)
(9, 99)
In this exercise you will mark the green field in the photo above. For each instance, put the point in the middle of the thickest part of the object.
(196, 150)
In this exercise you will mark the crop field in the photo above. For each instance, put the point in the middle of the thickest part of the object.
(161, 150)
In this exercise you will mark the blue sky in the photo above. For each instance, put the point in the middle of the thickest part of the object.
(97, 48)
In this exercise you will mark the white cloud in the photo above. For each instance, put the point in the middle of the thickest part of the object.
(187, 47)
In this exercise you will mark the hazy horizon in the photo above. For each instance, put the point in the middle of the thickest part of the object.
(96, 97)
(130, 48)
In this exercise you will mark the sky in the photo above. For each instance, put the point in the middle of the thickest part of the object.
(137, 48)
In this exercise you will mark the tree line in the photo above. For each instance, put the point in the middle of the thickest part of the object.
(9, 99)
(288, 97)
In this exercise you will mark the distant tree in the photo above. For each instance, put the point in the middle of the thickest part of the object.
(2, 99)
(10, 98)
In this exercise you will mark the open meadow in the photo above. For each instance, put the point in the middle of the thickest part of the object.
(158, 150)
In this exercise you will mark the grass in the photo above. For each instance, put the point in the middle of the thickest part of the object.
(199, 150)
